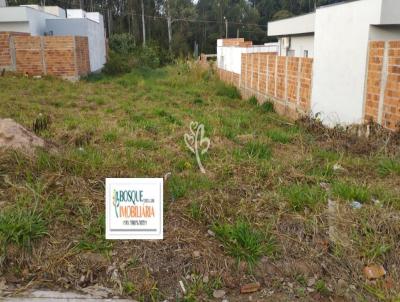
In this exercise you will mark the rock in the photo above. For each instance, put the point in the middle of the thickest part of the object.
(196, 254)
(211, 233)
(356, 205)
(338, 167)
(14, 136)
(341, 287)
(218, 294)
(94, 259)
(206, 279)
(97, 291)
(311, 282)
(374, 271)
(250, 288)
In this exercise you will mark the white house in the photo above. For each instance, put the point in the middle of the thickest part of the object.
(53, 20)
(337, 37)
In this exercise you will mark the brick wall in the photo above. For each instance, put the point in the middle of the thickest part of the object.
(6, 60)
(382, 97)
(285, 80)
(62, 56)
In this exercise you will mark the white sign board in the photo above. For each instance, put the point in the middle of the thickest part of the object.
(134, 208)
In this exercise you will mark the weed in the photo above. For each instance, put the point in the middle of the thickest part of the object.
(320, 287)
(389, 166)
(41, 123)
(243, 242)
(280, 136)
(301, 196)
(228, 91)
(257, 150)
(97, 99)
(268, 106)
(168, 117)
(128, 287)
(141, 144)
(350, 192)
(110, 136)
(195, 210)
(253, 101)
(21, 226)
(94, 237)
(198, 101)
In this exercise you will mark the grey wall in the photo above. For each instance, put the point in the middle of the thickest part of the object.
(385, 33)
(87, 28)
(15, 26)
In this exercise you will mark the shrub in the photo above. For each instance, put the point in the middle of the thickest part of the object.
(118, 64)
(268, 106)
(122, 43)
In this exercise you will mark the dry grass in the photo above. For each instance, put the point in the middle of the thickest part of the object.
(265, 179)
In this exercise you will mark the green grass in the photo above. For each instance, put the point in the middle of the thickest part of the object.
(301, 196)
(389, 167)
(21, 226)
(227, 91)
(255, 150)
(258, 168)
(244, 242)
(280, 136)
(352, 192)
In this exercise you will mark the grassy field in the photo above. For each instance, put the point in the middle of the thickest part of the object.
(260, 213)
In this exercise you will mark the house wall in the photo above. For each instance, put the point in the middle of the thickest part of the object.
(229, 53)
(13, 18)
(341, 46)
(292, 26)
(384, 33)
(299, 44)
(87, 28)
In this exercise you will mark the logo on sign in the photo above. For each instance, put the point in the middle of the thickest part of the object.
(134, 208)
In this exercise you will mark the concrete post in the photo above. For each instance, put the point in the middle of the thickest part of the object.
(384, 76)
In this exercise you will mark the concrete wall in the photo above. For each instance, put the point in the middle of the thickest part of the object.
(299, 44)
(87, 28)
(292, 26)
(229, 54)
(384, 33)
(12, 18)
(341, 46)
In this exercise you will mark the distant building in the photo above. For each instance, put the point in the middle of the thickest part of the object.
(351, 51)
(55, 21)
(337, 37)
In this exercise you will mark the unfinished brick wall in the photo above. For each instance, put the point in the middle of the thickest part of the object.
(382, 98)
(6, 60)
(285, 80)
(62, 56)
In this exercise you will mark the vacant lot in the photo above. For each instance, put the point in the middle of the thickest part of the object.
(260, 213)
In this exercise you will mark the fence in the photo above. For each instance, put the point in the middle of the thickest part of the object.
(63, 56)
(382, 100)
(285, 80)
